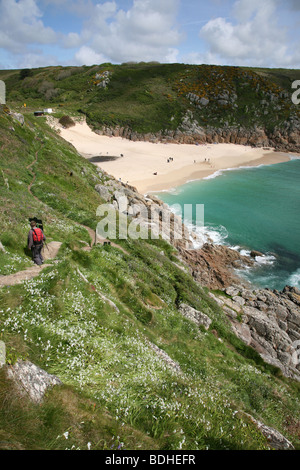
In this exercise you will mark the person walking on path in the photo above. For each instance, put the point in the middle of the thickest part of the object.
(36, 238)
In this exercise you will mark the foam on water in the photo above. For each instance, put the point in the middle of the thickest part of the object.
(251, 210)
(222, 171)
(294, 279)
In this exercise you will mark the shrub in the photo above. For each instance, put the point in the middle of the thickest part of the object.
(25, 73)
(66, 121)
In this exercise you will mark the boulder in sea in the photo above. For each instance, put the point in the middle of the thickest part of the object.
(255, 253)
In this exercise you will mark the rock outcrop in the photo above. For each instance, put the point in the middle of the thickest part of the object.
(214, 265)
(31, 381)
(284, 139)
(268, 321)
(146, 216)
(275, 439)
(197, 317)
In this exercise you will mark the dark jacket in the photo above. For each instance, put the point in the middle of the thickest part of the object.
(30, 239)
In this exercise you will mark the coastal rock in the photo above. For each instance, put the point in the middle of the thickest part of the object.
(232, 291)
(242, 331)
(103, 192)
(269, 322)
(31, 380)
(213, 265)
(165, 357)
(195, 316)
(283, 139)
(275, 439)
(149, 213)
(18, 117)
(255, 253)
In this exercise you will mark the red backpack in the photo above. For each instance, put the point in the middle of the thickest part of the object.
(37, 236)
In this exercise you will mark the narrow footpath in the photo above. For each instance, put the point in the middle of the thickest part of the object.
(49, 253)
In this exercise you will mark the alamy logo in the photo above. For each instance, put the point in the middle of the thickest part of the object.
(296, 94)
(2, 92)
(123, 220)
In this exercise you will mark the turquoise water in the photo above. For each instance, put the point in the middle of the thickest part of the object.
(257, 208)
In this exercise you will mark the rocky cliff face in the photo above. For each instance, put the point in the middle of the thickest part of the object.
(144, 214)
(268, 321)
(285, 138)
(214, 265)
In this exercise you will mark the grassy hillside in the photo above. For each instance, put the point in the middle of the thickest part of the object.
(117, 392)
(155, 97)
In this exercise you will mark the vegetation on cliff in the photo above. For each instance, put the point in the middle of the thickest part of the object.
(152, 98)
(118, 391)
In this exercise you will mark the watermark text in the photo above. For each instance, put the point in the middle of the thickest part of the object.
(124, 220)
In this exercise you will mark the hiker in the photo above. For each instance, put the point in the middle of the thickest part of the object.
(35, 243)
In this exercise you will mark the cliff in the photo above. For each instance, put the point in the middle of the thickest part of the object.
(268, 321)
(119, 344)
(169, 102)
(282, 139)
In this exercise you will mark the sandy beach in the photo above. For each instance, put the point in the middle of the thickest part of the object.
(156, 167)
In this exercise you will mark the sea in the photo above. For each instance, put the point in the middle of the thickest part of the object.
(249, 208)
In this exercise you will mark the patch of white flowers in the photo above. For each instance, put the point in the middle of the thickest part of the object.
(111, 359)
(12, 262)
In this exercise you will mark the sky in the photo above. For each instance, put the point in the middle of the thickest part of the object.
(38, 33)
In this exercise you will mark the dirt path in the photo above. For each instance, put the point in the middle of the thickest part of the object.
(49, 252)
(96, 239)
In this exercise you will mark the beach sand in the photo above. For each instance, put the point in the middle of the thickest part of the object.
(174, 164)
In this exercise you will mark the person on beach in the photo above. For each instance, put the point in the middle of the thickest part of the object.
(36, 238)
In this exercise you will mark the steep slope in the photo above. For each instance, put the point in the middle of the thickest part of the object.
(169, 101)
(137, 373)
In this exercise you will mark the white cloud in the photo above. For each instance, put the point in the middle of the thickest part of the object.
(21, 26)
(144, 32)
(252, 37)
(254, 32)
(87, 56)
(34, 60)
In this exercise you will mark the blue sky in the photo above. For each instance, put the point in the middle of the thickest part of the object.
(36, 33)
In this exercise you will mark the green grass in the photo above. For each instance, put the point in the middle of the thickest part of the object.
(103, 354)
(117, 391)
(152, 98)
(59, 202)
